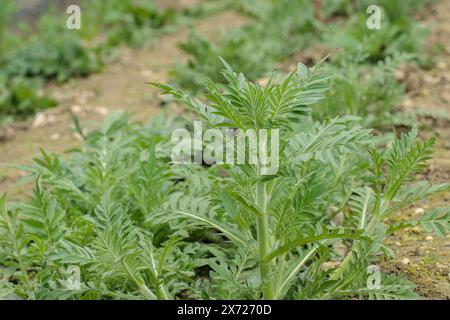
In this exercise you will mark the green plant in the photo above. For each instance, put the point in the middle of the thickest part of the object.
(285, 26)
(129, 22)
(6, 39)
(53, 53)
(371, 92)
(20, 96)
(87, 212)
(397, 36)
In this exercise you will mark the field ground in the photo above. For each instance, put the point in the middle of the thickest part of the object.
(422, 258)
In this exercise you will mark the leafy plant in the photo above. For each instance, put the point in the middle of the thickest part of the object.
(128, 22)
(54, 53)
(6, 40)
(84, 215)
(19, 97)
(283, 223)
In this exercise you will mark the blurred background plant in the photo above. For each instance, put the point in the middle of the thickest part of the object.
(277, 30)
(32, 53)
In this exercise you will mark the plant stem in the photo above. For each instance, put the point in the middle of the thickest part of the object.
(146, 292)
(263, 241)
(369, 229)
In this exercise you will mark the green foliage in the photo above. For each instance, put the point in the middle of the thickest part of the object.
(371, 92)
(20, 96)
(395, 10)
(115, 219)
(72, 221)
(278, 30)
(246, 105)
(6, 39)
(365, 84)
(128, 22)
(54, 53)
(51, 53)
(128, 224)
(398, 35)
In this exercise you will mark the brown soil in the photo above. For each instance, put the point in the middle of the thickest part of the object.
(179, 4)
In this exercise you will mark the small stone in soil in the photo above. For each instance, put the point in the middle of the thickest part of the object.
(419, 211)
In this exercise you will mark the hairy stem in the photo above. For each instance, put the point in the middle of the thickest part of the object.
(263, 241)
(146, 292)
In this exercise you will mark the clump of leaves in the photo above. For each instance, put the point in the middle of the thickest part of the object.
(53, 53)
(20, 96)
(285, 27)
(371, 92)
(129, 22)
(396, 36)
